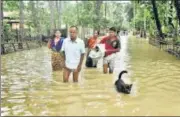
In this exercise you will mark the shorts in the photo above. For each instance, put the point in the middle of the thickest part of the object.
(71, 70)
(110, 60)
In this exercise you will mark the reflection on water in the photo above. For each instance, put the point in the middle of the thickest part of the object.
(28, 86)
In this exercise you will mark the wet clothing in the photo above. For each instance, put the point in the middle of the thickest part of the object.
(112, 45)
(92, 42)
(110, 60)
(109, 45)
(57, 60)
(58, 46)
(93, 57)
(73, 51)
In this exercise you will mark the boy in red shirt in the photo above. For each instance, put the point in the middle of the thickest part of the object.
(110, 50)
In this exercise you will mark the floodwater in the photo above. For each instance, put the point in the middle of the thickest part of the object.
(29, 87)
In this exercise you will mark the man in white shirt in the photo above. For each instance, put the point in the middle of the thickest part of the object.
(74, 50)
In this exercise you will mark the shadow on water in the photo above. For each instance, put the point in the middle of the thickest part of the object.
(29, 87)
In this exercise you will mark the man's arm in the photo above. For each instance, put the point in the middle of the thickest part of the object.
(81, 59)
(113, 50)
(103, 40)
(82, 55)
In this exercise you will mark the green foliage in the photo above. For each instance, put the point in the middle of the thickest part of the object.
(144, 14)
(10, 5)
(83, 13)
(88, 18)
(8, 33)
(69, 16)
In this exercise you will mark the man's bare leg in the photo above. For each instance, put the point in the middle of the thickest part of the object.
(105, 68)
(66, 74)
(75, 76)
(111, 66)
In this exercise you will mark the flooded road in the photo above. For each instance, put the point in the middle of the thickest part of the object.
(29, 87)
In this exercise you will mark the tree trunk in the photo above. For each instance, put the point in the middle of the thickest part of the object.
(177, 6)
(38, 20)
(51, 17)
(2, 49)
(97, 12)
(33, 13)
(105, 9)
(158, 23)
(134, 14)
(21, 28)
(58, 7)
(77, 12)
(171, 13)
(54, 13)
(21, 14)
(2, 29)
(67, 30)
(38, 23)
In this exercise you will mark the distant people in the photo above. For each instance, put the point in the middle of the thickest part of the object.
(74, 50)
(112, 45)
(55, 44)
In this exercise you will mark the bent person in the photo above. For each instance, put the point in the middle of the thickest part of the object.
(92, 42)
(94, 55)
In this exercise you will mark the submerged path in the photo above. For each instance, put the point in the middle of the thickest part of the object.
(29, 87)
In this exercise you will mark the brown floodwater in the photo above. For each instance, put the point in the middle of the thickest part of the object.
(29, 87)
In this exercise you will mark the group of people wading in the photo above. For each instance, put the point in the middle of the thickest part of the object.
(68, 53)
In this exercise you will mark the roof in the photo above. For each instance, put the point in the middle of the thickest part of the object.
(13, 21)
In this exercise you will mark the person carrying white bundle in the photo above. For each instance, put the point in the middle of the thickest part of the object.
(94, 55)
